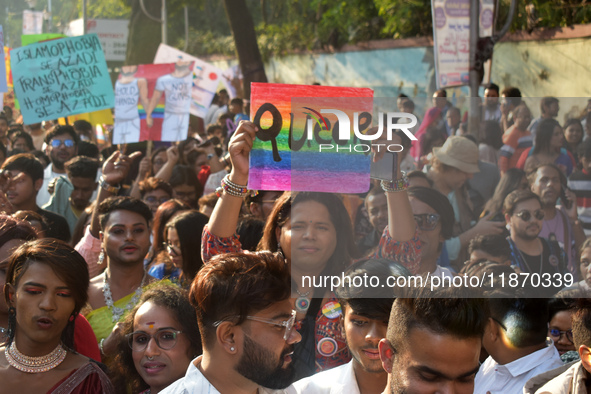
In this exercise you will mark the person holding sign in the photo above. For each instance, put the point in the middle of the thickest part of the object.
(177, 87)
(129, 90)
(314, 233)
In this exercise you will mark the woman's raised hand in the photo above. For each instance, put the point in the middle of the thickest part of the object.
(239, 148)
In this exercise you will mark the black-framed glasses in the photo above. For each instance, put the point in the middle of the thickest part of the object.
(288, 324)
(67, 143)
(556, 334)
(165, 338)
(154, 199)
(172, 249)
(527, 215)
(427, 221)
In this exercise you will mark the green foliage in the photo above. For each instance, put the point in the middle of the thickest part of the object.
(405, 18)
(547, 13)
(283, 26)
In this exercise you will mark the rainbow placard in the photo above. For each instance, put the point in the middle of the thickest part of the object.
(288, 155)
(134, 91)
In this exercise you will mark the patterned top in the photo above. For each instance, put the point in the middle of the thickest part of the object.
(516, 142)
(404, 253)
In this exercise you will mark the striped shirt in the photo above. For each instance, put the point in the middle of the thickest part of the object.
(580, 183)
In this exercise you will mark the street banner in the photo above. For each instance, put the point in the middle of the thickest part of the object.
(451, 34)
(296, 145)
(152, 102)
(62, 77)
(206, 77)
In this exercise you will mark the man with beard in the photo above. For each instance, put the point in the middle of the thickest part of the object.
(364, 323)
(246, 320)
(530, 253)
(433, 341)
(129, 91)
(561, 225)
(177, 88)
(62, 145)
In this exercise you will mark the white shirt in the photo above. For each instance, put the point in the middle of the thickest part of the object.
(177, 93)
(510, 378)
(127, 96)
(195, 383)
(48, 175)
(339, 380)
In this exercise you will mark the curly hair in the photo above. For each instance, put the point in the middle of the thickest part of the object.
(176, 301)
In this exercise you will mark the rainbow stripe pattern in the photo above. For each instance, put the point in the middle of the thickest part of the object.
(299, 164)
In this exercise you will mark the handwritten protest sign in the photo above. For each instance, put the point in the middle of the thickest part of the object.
(285, 158)
(152, 102)
(61, 77)
(206, 77)
(3, 84)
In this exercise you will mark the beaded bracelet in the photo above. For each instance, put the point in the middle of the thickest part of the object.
(234, 189)
(397, 185)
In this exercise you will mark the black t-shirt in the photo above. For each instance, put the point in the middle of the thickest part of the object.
(549, 264)
(57, 225)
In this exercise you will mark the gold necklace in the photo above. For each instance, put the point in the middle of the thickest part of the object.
(30, 364)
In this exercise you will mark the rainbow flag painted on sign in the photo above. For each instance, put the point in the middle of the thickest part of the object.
(284, 157)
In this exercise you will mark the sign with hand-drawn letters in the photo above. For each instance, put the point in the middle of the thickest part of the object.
(61, 77)
(299, 146)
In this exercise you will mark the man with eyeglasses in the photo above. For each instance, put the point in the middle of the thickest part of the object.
(571, 378)
(561, 224)
(246, 321)
(61, 145)
(529, 252)
(154, 192)
(515, 339)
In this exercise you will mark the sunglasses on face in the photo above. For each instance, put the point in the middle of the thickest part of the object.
(57, 143)
(527, 215)
(176, 250)
(152, 199)
(427, 221)
(556, 334)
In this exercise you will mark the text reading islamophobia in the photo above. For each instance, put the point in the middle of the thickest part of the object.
(62, 77)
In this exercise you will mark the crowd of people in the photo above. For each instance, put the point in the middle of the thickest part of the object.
(155, 270)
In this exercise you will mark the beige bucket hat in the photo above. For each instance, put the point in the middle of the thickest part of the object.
(459, 152)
